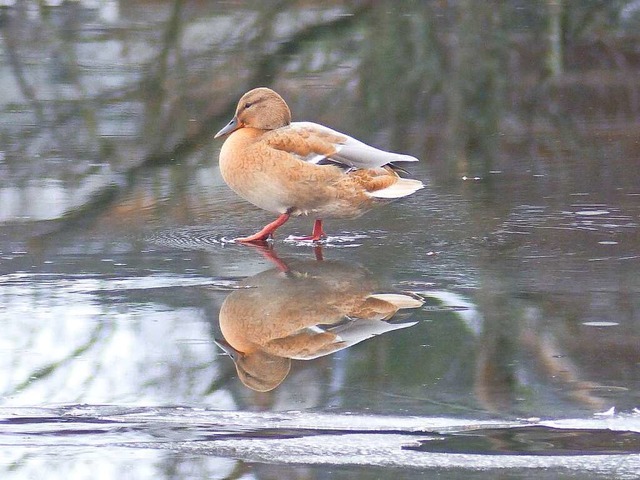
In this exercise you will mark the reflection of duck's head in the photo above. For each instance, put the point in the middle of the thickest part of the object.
(258, 370)
(304, 311)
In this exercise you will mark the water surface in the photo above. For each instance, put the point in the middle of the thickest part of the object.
(517, 350)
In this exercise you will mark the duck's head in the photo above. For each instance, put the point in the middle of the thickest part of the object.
(260, 108)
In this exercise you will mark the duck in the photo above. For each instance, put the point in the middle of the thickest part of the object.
(304, 168)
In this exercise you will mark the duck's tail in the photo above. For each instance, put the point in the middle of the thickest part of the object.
(402, 187)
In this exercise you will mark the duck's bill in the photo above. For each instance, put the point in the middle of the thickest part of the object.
(230, 127)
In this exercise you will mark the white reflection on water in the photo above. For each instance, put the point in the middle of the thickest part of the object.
(107, 463)
(42, 199)
(47, 198)
(61, 343)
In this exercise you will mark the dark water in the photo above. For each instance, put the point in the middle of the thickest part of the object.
(516, 350)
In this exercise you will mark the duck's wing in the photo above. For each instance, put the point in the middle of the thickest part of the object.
(321, 145)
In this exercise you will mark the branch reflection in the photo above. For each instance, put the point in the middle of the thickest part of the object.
(302, 310)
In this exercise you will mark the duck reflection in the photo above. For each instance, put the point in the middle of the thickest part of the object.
(303, 310)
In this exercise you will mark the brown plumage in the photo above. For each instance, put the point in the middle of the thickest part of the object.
(302, 167)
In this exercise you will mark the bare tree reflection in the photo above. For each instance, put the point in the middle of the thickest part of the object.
(142, 94)
(470, 87)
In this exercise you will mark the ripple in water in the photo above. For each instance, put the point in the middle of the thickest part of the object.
(199, 238)
(345, 240)
(190, 238)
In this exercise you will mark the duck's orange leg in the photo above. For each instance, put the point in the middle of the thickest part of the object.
(266, 232)
(317, 233)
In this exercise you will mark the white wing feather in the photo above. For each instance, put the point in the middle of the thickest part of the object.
(352, 152)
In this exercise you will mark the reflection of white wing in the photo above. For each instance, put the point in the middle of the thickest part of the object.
(354, 332)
